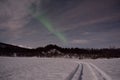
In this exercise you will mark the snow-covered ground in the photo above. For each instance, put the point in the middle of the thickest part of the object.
(58, 69)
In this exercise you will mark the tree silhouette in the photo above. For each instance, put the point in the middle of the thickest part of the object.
(56, 51)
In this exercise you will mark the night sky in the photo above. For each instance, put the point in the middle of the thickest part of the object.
(67, 23)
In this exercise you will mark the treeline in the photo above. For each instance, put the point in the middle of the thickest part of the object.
(55, 51)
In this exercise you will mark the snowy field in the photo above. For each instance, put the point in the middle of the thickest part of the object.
(58, 69)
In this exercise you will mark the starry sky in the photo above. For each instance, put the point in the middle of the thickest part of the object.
(67, 23)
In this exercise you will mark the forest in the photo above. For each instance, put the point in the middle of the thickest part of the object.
(56, 51)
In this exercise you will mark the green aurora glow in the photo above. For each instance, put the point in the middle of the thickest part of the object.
(47, 24)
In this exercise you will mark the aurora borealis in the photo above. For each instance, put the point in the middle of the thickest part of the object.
(47, 24)
(69, 23)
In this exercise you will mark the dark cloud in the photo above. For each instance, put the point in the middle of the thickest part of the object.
(3, 1)
(59, 6)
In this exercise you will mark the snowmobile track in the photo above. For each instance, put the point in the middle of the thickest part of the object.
(97, 73)
(77, 73)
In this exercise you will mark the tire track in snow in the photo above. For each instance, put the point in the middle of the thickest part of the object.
(77, 73)
(91, 70)
(97, 73)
